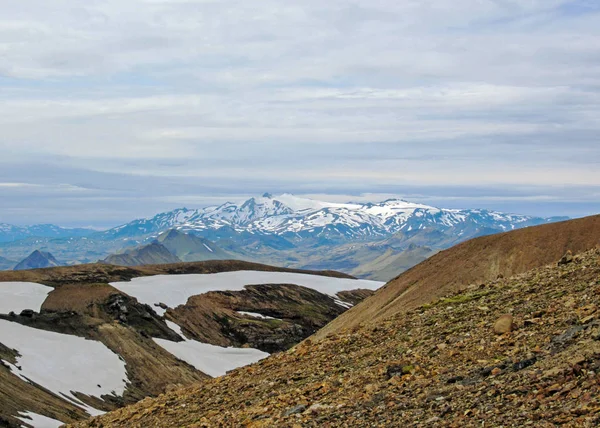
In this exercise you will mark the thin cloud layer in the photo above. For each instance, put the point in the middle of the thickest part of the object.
(167, 103)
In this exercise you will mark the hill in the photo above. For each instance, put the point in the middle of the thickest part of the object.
(77, 340)
(37, 260)
(6, 264)
(473, 262)
(507, 352)
(151, 254)
(190, 248)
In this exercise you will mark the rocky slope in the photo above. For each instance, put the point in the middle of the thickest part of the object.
(513, 351)
(472, 262)
(37, 260)
(269, 317)
(151, 254)
(81, 303)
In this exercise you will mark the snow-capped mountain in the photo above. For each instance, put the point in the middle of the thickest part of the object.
(298, 218)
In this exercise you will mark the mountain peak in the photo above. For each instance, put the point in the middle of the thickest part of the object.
(37, 260)
(267, 195)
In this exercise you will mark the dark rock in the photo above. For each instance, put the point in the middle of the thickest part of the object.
(566, 259)
(455, 379)
(567, 335)
(398, 370)
(520, 365)
(295, 410)
(29, 313)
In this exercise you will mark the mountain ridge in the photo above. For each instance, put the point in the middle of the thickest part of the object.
(295, 232)
(292, 217)
(472, 262)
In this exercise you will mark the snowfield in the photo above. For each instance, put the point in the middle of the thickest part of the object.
(175, 290)
(210, 359)
(16, 296)
(63, 363)
(39, 421)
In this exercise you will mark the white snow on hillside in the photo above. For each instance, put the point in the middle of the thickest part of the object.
(257, 315)
(39, 421)
(175, 290)
(63, 363)
(210, 359)
(16, 296)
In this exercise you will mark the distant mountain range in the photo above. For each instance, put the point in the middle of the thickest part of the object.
(11, 233)
(295, 218)
(285, 230)
(6, 264)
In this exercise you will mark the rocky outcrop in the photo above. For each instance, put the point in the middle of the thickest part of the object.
(281, 315)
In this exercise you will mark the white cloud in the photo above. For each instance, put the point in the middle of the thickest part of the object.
(368, 92)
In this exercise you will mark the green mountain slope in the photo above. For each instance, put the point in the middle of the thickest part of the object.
(151, 254)
(190, 248)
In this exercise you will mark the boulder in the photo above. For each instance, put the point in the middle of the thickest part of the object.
(504, 324)
(566, 259)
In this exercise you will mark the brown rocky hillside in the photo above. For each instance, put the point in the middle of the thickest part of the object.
(83, 304)
(439, 364)
(473, 262)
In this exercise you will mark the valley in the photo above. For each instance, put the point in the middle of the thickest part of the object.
(147, 329)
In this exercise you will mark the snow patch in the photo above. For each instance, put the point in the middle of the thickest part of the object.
(63, 363)
(16, 296)
(256, 315)
(208, 248)
(39, 421)
(175, 290)
(210, 359)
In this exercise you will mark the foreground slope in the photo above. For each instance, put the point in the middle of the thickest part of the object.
(440, 364)
(472, 262)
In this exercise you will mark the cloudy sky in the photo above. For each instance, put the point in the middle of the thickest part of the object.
(116, 109)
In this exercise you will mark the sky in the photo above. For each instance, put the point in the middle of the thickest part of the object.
(118, 109)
